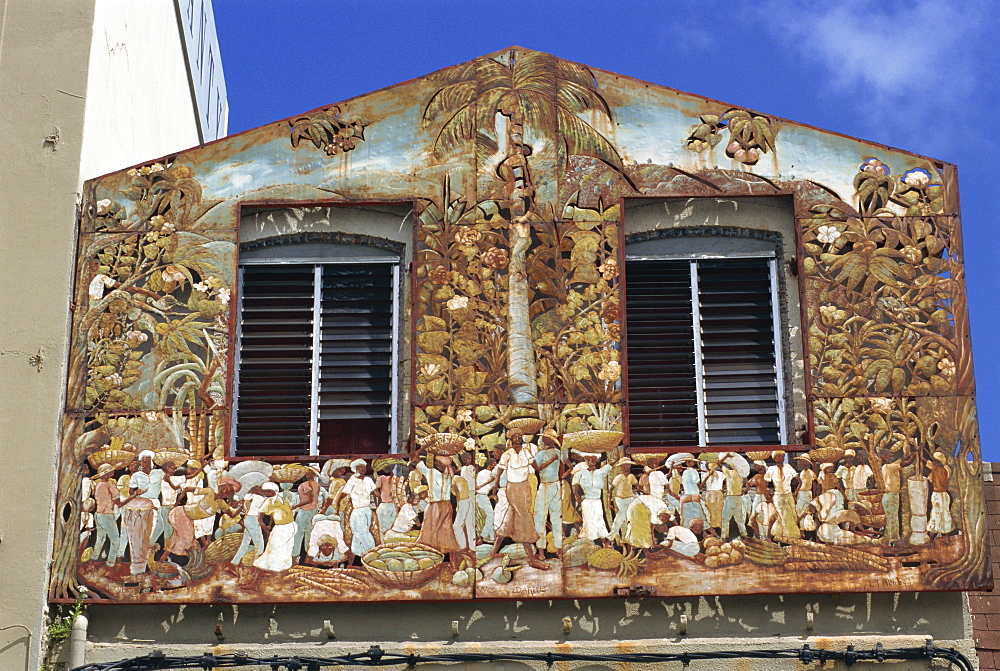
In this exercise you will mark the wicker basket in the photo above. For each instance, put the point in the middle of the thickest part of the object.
(402, 579)
(529, 426)
(115, 458)
(444, 444)
(593, 442)
(289, 473)
(826, 455)
(178, 458)
(223, 549)
(873, 521)
(758, 456)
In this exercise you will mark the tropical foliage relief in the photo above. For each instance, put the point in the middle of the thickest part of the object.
(885, 297)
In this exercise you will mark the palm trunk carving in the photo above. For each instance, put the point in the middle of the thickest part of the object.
(537, 93)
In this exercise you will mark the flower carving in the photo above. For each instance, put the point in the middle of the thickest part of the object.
(496, 258)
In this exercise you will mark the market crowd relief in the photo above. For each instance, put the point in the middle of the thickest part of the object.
(541, 514)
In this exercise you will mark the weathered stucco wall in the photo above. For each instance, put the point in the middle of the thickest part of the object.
(43, 81)
(63, 121)
(714, 623)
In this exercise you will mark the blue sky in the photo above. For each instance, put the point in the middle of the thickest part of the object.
(918, 75)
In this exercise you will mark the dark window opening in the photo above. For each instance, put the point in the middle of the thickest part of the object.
(703, 367)
(316, 359)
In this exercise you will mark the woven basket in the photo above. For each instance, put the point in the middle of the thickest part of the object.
(178, 458)
(444, 444)
(758, 456)
(223, 549)
(826, 455)
(401, 579)
(114, 457)
(593, 442)
(873, 521)
(289, 473)
(529, 426)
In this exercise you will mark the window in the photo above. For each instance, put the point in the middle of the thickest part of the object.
(702, 361)
(317, 350)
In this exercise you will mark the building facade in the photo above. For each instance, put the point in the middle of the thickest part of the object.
(469, 357)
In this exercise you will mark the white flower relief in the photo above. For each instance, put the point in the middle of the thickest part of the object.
(827, 234)
(458, 302)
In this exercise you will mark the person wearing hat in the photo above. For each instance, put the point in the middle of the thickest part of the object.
(106, 499)
(277, 555)
(327, 523)
(939, 521)
(780, 476)
(589, 482)
(359, 488)
(622, 493)
(548, 502)
(138, 513)
(519, 523)
(856, 477)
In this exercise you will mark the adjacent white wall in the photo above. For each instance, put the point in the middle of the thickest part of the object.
(139, 104)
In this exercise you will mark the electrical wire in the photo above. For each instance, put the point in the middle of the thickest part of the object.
(375, 656)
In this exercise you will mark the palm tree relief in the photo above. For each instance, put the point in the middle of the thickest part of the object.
(532, 95)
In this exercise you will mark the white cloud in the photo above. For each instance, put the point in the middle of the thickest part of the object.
(902, 62)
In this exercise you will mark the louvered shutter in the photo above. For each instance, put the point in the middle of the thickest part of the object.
(737, 348)
(355, 389)
(315, 367)
(662, 396)
(705, 372)
(274, 403)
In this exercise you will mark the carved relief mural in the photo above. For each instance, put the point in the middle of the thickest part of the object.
(513, 477)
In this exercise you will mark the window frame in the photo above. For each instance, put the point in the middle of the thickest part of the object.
(394, 251)
(315, 361)
(671, 218)
(777, 330)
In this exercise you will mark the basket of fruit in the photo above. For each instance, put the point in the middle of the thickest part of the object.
(529, 426)
(444, 444)
(403, 565)
(176, 457)
(289, 473)
(593, 441)
(116, 458)
(826, 455)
